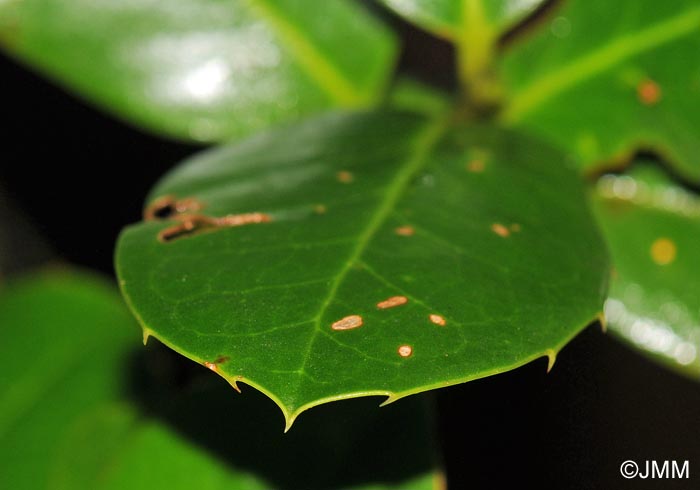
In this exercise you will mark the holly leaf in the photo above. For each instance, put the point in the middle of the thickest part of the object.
(79, 410)
(603, 80)
(365, 254)
(652, 226)
(204, 69)
(449, 18)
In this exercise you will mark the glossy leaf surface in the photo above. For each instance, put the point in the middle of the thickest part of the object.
(603, 85)
(484, 231)
(449, 18)
(81, 410)
(204, 69)
(652, 226)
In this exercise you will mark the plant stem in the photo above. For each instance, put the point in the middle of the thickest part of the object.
(475, 55)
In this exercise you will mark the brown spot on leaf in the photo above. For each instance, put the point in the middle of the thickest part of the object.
(663, 251)
(500, 230)
(405, 350)
(196, 223)
(348, 323)
(391, 302)
(649, 92)
(437, 319)
(222, 359)
(345, 177)
(404, 231)
(476, 166)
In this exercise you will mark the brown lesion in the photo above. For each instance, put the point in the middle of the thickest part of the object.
(166, 207)
(187, 212)
(191, 224)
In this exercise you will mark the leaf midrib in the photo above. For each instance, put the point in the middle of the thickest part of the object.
(317, 66)
(599, 60)
(426, 139)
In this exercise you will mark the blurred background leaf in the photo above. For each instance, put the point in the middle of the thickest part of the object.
(84, 406)
(205, 70)
(652, 226)
(604, 85)
(447, 18)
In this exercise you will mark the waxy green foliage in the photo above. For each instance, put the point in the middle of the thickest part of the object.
(485, 229)
(204, 69)
(84, 407)
(603, 84)
(450, 18)
(652, 226)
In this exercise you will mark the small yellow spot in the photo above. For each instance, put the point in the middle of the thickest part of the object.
(500, 230)
(345, 177)
(663, 251)
(348, 323)
(320, 209)
(649, 92)
(391, 302)
(404, 230)
(437, 319)
(405, 350)
(476, 166)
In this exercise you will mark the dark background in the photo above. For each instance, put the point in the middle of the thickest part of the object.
(79, 176)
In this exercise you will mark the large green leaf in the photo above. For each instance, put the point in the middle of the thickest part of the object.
(606, 78)
(652, 226)
(78, 410)
(450, 18)
(483, 230)
(204, 69)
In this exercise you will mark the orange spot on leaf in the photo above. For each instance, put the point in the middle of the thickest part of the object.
(649, 92)
(391, 302)
(663, 251)
(405, 350)
(500, 230)
(345, 177)
(348, 323)
(437, 320)
(476, 166)
(404, 231)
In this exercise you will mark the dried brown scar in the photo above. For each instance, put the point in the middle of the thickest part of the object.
(500, 230)
(404, 230)
(437, 320)
(193, 223)
(391, 302)
(345, 177)
(348, 323)
(649, 92)
(663, 251)
(166, 206)
(214, 365)
(405, 350)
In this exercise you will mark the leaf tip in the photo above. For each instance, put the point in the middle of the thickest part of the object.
(551, 358)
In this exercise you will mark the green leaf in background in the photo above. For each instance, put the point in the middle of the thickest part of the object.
(204, 69)
(604, 84)
(449, 18)
(483, 235)
(652, 226)
(80, 410)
